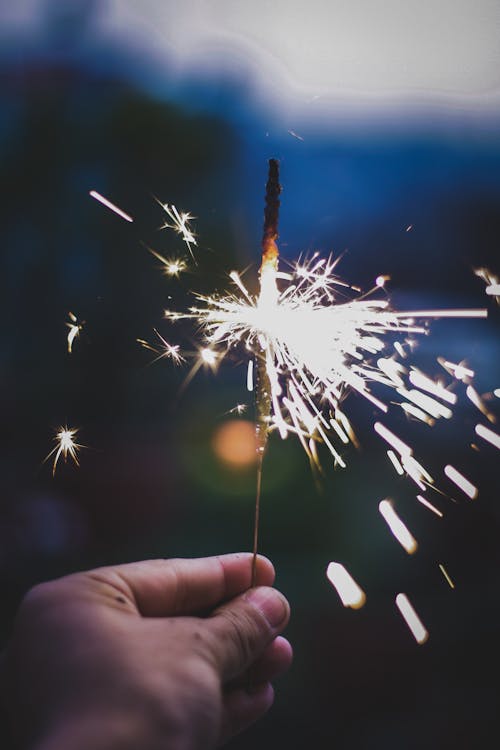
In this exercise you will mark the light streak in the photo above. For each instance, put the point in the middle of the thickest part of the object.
(74, 330)
(397, 527)
(478, 402)
(350, 593)
(411, 618)
(394, 460)
(65, 446)
(429, 505)
(111, 206)
(461, 482)
(447, 576)
(488, 435)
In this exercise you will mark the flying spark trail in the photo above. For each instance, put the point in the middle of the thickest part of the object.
(65, 446)
(413, 621)
(111, 206)
(350, 593)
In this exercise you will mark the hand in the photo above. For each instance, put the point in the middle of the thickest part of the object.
(148, 656)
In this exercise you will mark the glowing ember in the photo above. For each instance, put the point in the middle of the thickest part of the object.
(397, 527)
(351, 595)
(111, 206)
(412, 619)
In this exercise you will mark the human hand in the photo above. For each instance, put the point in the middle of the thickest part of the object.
(148, 656)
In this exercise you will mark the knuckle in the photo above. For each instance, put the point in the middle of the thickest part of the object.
(241, 634)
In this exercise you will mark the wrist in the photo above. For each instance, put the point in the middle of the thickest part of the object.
(123, 732)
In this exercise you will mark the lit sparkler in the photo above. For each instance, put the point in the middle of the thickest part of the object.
(311, 339)
(65, 447)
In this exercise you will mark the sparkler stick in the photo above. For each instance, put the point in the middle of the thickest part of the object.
(268, 293)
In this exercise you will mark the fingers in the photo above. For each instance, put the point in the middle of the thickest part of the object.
(275, 660)
(243, 628)
(241, 709)
(162, 588)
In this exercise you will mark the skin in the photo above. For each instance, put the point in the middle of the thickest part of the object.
(153, 654)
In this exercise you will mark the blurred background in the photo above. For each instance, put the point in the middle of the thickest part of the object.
(385, 118)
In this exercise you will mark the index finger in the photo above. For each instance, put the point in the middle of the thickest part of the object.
(162, 588)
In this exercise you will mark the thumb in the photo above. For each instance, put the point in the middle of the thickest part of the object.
(243, 627)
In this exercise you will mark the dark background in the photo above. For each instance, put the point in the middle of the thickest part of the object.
(149, 483)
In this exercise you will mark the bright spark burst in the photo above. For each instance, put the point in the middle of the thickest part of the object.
(170, 266)
(164, 350)
(74, 330)
(318, 341)
(65, 446)
(179, 222)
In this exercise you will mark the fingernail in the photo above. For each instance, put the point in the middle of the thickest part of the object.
(271, 603)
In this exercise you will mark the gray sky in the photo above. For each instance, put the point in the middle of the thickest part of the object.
(368, 52)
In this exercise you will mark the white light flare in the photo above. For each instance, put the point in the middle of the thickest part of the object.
(111, 206)
(411, 618)
(350, 593)
(397, 527)
(461, 482)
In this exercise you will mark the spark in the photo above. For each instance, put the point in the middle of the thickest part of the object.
(65, 446)
(488, 435)
(350, 593)
(397, 527)
(461, 482)
(478, 402)
(180, 224)
(111, 206)
(395, 462)
(429, 505)
(170, 266)
(166, 350)
(446, 575)
(492, 282)
(411, 618)
(74, 330)
(238, 409)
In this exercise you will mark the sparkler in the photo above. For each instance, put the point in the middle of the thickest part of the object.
(311, 339)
